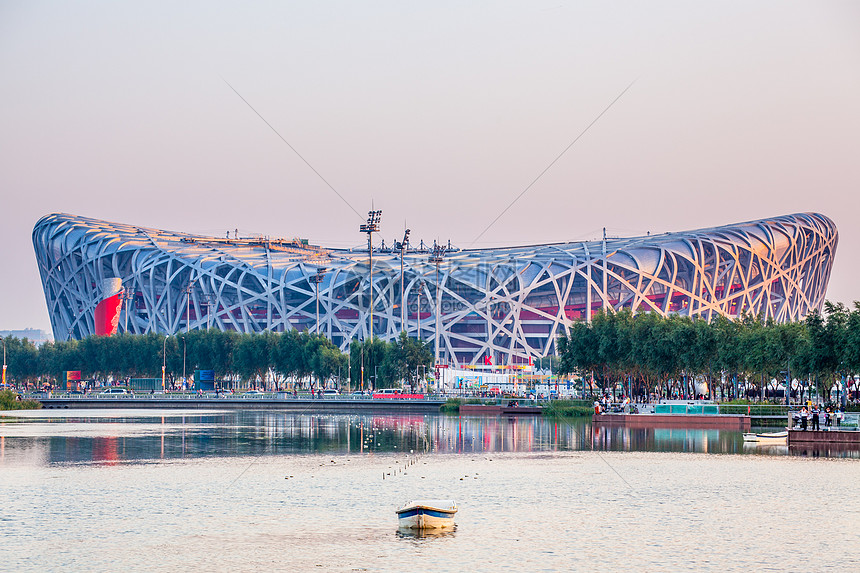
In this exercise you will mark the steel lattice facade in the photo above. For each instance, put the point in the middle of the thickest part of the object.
(509, 303)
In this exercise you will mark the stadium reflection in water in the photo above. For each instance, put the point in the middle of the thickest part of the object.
(78, 438)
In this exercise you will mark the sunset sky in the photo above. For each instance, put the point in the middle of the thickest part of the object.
(438, 113)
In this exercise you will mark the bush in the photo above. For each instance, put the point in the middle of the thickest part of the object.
(451, 406)
(10, 401)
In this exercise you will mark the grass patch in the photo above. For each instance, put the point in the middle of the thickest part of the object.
(451, 406)
(568, 409)
(9, 401)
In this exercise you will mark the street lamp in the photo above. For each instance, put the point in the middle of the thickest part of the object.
(164, 360)
(372, 226)
(184, 378)
(317, 279)
(4, 361)
(210, 299)
(188, 307)
(420, 288)
(126, 296)
(402, 247)
(417, 376)
(437, 258)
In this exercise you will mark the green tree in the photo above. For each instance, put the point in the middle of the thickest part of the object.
(405, 357)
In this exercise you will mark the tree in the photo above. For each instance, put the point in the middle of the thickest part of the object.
(405, 357)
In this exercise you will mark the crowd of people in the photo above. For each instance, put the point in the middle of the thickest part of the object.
(811, 414)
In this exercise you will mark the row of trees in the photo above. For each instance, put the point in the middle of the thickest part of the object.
(647, 352)
(267, 358)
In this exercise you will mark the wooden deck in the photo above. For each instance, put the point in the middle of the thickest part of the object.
(824, 437)
(720, 422)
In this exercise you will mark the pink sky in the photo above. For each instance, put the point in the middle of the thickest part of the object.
(438, 113)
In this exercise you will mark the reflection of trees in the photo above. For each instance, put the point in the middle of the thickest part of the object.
(276, 433)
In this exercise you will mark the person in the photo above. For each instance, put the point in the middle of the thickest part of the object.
(815, 412)
(839, 416)
(596, 407)
(828, 418)
(804, 414)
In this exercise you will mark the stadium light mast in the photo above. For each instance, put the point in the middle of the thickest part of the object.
(402, 247)
(317, 279)
(372, 226)
(605, 268)
(437, 256)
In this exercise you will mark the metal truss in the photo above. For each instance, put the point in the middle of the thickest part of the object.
(508, 303)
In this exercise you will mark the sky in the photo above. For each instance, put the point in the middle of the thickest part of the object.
(438, 113)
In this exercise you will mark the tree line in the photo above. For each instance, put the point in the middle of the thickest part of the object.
(646, 353)
(266, 359)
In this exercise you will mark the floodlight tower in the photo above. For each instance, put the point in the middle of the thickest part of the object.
(317, 279)
(372, 226)
(437, 256)
(402, 247)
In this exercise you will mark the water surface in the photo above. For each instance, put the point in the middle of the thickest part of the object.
(268, 490)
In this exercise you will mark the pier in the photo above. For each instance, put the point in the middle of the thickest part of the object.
(238, 402)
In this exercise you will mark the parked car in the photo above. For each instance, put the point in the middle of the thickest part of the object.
(331, 392)
(114, 391)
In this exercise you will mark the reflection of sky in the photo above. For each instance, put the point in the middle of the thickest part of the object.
(133, 436)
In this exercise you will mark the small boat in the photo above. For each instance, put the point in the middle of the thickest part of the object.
(772, 436)
(766, 437)
(427, 514)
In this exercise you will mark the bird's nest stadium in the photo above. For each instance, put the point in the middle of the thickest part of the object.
(508, 303)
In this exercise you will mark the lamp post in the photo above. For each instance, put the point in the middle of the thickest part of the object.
(126, 296)
(372, 225)
(317, 279)
(4, 361)
(437, 258)
(184, 378)
(164, 360)
(188, 307)
(402, 247)
(210, 302)
(417, 376)
(420, 288)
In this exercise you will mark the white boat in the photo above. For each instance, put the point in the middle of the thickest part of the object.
(427, 514)
(766, 437)
(772, 436)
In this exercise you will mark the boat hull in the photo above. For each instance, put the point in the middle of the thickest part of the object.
(425, 518)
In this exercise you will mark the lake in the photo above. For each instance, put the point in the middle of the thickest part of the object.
(147, 490)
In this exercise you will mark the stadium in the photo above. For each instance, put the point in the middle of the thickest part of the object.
(507, 305)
